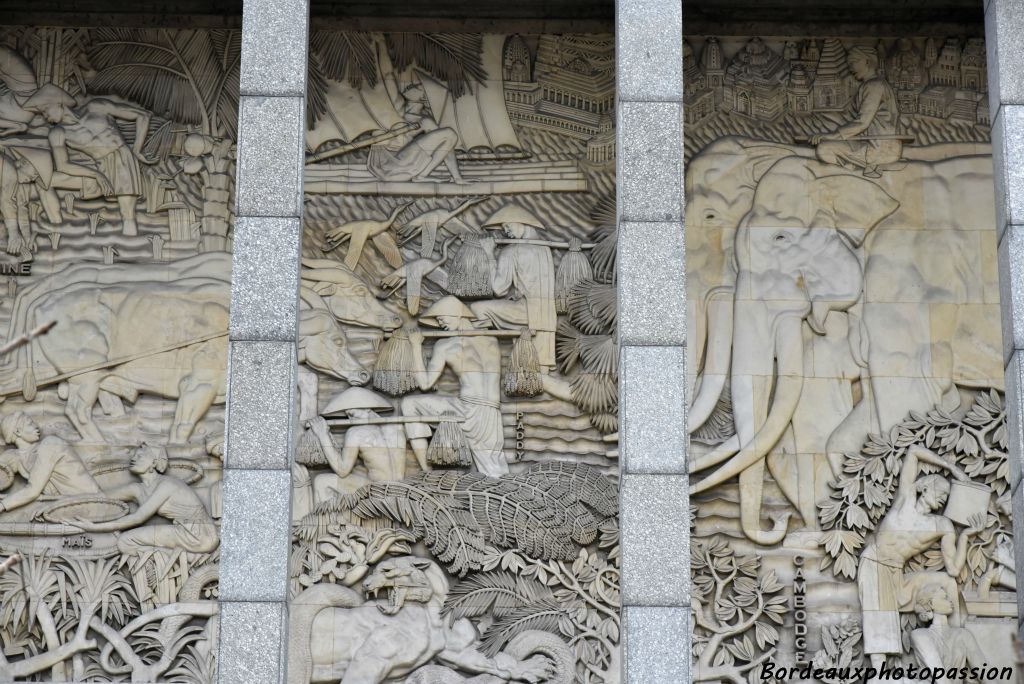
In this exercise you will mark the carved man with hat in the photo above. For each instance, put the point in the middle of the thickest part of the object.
(476, 362)
(528, 271)
(382, 447)
(91, 130)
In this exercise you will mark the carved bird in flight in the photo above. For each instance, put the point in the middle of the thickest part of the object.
(427, 224)
(412, 275)
(357, 232)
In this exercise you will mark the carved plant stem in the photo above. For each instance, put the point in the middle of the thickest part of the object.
(118, 640)
(43, 661)
(45, 618)
(569, 581)
(115, 641)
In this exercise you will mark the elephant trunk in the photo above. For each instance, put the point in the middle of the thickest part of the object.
(755, 441)
(719, 310)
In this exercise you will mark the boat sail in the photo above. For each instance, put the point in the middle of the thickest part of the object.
(479, 116)
(353, 112)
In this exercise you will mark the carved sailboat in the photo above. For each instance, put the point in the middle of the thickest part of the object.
(366, 116)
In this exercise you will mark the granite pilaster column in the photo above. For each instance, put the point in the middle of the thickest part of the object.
(652, 338)
(261, 411)
(1004, 38)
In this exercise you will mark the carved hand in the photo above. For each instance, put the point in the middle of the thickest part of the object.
(978, 522)
(416, 337)
(319, 426)
(149, 161)
(488, 244)
(533, 670)
(105, 186)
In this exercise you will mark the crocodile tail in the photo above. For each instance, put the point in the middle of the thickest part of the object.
(301, 612)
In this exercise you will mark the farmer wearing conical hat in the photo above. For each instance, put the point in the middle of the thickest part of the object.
(527, 271)
(382, 447)
(92, 130)
(476, 362)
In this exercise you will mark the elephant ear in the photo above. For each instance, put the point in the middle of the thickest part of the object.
(852, 204)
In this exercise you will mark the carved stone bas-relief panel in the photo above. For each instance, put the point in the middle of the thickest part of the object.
(848, 458)
(116, 175)
(455, 489)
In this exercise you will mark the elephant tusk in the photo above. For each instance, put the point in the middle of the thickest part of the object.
(788, 387)
(716, 367)
(720, 453)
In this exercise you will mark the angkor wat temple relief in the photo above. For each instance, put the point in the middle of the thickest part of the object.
(116, 175)
(848, 457)
(455, 499)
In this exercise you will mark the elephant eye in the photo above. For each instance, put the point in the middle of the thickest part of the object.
(781, 237)
(709, 216)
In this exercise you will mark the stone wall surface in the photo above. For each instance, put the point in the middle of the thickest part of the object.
(852, 485)
(441, 287)
(458, 492)
(117, 162)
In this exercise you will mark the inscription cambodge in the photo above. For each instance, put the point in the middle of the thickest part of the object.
(845, 343)
(456, 503)
(116, 167)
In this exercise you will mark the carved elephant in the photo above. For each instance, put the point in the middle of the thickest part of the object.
(913, 264)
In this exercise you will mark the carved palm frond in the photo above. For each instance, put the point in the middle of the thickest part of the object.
(595, 392)
(602, 257)
(337, 56)
(593, 307)
(585, 484)
(346, 56)
(543, 615)
(493, 593)
(545, 513)
(186, 75)
(598, 353)
(510, 514)
(443, 522)
(455, 58)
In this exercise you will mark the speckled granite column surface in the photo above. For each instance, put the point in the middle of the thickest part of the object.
(1004, 38)
(652, 336)
(263, 349)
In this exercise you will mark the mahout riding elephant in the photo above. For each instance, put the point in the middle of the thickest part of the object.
(905, 260)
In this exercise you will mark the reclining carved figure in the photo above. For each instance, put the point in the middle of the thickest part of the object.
(336, 635)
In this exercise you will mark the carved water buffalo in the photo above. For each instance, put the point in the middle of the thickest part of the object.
(907, 262)
(145, 334)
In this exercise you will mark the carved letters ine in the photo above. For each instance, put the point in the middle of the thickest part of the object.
(848, 424)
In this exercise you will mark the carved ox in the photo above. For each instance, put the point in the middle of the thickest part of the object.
(144, 335)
